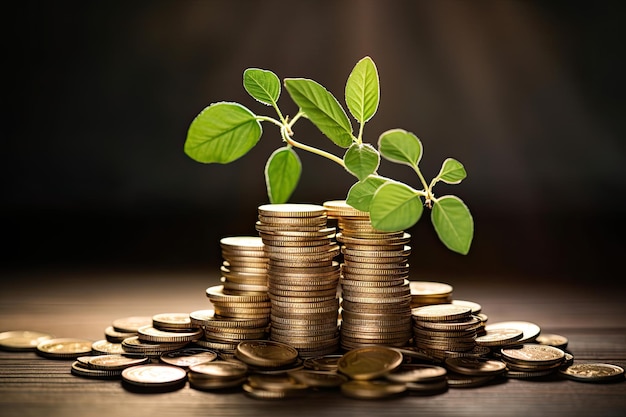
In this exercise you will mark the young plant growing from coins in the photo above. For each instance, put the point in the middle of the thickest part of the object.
(225, 131)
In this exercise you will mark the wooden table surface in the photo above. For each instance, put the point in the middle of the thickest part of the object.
(83, 303)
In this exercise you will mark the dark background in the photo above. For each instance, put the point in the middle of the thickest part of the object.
(528, 95)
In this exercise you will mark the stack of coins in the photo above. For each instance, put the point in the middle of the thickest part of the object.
(303, 276)
(253, 306)
(445, 330)
(375, 289)
(168, 332)
(244, 265)
(531, 360)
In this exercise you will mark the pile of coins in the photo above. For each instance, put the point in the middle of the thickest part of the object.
(303, 276)
(375, 290)
(444, 330)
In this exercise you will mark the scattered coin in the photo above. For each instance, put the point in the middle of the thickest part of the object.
(552, 339)
(499, 337)
(218, 374)
(373, 389)
(530, 330)
(417, 373)
(131, 324)
(475, 366)
(22, 340)
(64, 348)
(593, 372)
(318, 379)
(154, 378)
(367, 363)
(186, 357)
(266, 353)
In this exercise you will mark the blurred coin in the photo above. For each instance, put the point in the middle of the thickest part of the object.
(266, 353)
(417, 373)
(456, 380)
(441, 312)
(475, 366)
(113, 361)
(371, 362)
(323, 363)
(533, 355)
(186, 357)
(476, 308)
(593, 372)
(172, 321)
(104, 347)
(154, 377)
(114, 336)
(552, 339)
(530, 330)
(372, 389)
(64, 348)
(131, 324)
(80, 369)
(499, 337)
(22, 340)
(318, 379)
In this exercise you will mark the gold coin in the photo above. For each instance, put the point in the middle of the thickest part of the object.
(475, 366)
(22, 340)
(266, 353)
(131, 324)
(64, 348)
(242, 242)
(115, 361)
(154, 377)
(593, 372)
(441, 312)
(530, 330)
(105, 347)
(499, 337)
(552, 339)
(372, 389)
(369, 363)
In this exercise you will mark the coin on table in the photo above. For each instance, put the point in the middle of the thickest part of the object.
(79, 368)
(441, 312)
(218, 374)
(530, 330)
(593, 372)
(131, 324)
(318, 379)
(104, 347)
(188, 356)
(22, 340)
(114, 361)
(552, 339)
(475, 366)
(417, 373)
(373, 389)
(499, 337)
(369, 362)
(266, 353)
(154, 377)
(322, 363)
(64, 348)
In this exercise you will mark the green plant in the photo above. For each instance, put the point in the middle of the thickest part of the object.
(225, 131)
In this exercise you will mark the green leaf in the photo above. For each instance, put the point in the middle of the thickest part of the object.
(262, 85)
(398, 145)
(322, 109)
(453, 223)
(394, 207)
(222, 133)
(361, 160)
(361, 193)
(452, 172)
(363, 90)
(282, 173)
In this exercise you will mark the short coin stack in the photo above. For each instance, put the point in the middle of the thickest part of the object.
(303, 276)
(375, 291)
(241, 305)
(445, 330)
(168, 332)
(425, 293)
(244, 265)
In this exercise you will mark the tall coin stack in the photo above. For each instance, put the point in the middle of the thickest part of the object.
(303, 276)
(374, 282)
(241, 304)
